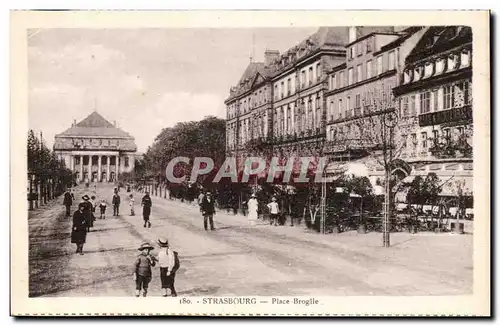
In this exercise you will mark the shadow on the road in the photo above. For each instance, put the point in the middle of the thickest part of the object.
(228, 253)
(110, 250)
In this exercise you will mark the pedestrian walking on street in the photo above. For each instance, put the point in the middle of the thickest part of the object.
(79, 229)
(142, 269)
(131, 203)
(87, 211)
(68, 201)
(146, 204)
(102, 207)
(253, 207)
(274, 211)
(200, 198)
(208, 210)
(169, 264)
(116, 203)
(94, 207)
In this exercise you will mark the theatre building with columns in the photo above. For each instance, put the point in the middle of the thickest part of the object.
(96, 150)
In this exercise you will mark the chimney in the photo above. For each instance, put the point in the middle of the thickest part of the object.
(114, 123)
(353, 34)
(270, 56)
(74, 122)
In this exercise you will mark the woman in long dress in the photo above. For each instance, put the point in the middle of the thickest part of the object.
(253, 206)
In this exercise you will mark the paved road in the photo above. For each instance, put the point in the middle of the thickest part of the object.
(237, 259)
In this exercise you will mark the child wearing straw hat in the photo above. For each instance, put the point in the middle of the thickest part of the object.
(142, 269)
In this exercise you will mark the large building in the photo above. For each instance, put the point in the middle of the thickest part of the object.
(96, 150)
(360, 96)
(279, 105)
(435, 102)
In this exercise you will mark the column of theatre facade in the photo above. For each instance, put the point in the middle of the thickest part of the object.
(96, 166)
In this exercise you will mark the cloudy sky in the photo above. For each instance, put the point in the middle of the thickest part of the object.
(144, 79)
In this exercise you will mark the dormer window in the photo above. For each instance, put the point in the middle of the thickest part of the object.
(464, 58)
(452, 62)
(418, 73)
(428, 69)
(439, 65)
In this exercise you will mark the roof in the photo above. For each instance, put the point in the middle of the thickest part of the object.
(251, 70)
(439, 39)
(95, 125)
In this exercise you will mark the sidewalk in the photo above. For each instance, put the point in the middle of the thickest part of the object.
(449, 255)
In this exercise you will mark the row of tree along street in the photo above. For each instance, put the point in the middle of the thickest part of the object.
(48, 176)
(346, 203)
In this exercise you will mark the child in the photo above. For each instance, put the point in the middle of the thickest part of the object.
(102, 206)
(274, 211)
(142, 269)
(131, 204)
(94, 206)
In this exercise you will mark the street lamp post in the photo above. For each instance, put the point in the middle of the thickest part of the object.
(389, 123)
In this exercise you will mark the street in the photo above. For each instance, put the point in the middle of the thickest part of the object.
(237, 259)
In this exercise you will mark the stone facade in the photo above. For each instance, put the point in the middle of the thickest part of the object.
(96, 150)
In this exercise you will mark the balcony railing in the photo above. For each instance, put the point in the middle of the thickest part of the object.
(459, 114)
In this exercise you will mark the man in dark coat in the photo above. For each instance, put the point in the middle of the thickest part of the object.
(87, 211)
(116, 203)
(79, 230)
(68, 201)
(208, 210)
(146, 204)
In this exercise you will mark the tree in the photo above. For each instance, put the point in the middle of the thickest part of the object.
(362, 187)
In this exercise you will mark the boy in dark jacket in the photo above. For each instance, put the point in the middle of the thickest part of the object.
(116, 203)
(208, 210)
(142, 269)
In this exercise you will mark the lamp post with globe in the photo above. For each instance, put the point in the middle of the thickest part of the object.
(389, 123)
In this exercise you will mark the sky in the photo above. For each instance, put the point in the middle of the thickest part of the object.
(144, 79)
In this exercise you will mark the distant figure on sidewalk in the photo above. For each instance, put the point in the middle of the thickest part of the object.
(79, 229)
(253, 207)
(131, 203)
(146, 204)
(116, 203)
(87, 211)
(208, 210)
(200, 198)
(169, 264)
(94, 207)
(142, 269)
(102, 208)
(274, 211)
(68, 201)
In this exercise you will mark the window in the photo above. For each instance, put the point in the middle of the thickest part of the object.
(464, 59)
(348, 107)
(434, 100)
(358, 101)
(439, 66)
(424, 140)
(303, 79)
(414, 141)
(310, 76)
(452, 62)
(332, 109)
(392, 61)
(460, 131)
(448, 96)
(334, 81)
(288, 119)
(352, 52)
(369, 45)
(428, 69)
(360, 73)
(289, 86)
(413, 109)
(407, 76)
(417, 73)
(276, 91)
(282, 90)
(341, 79)
(340, 109)
(126, 162)
(425, 102)
(368, 69)
(447, 134)
(318, 71)
(435, 136)
(379, 65)
(404, 107)
(465, 89)
(350, 76)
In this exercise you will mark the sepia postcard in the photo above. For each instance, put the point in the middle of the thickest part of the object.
(250, 163)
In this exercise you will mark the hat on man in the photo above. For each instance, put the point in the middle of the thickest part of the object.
(252, 196)
(81, 205)
(145, 245)
(274, 198)
(162, 242)
(85, 197)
